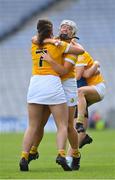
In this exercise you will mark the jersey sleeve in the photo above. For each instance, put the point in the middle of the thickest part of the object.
(64, 47)
(70, 58)
(82, 60)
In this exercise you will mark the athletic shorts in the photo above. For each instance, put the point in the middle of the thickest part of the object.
(70, 89)
(81, 82)
(46, 89)
(101, 89)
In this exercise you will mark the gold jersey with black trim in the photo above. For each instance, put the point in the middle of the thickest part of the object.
(40, 67)
(87, 61)
(72, 59)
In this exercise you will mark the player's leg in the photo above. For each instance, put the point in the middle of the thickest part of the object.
(73, 140)
(33, 154)
(82, 104)
(60, 114)
(90, 95)
(85, 94)
(93, 94)
(83, 137)
(35, 112)
(72, 133)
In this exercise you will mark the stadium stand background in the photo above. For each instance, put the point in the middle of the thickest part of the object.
(18, 18)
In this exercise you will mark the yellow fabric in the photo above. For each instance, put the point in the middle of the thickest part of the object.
(80, 118)
(55, 52)
(61, 152)
(75, 153)
(25, 155)
(33, 150)
(87, 61)
(72, 59)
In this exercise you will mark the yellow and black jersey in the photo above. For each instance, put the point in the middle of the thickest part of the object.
(87, 61)
(71, 59)
(40, 67)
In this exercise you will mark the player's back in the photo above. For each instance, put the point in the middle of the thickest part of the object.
(42, 67)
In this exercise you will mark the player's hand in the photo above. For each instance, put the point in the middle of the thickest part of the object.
(46, 57)
(35, 39)
(97, 63)
(53, 41)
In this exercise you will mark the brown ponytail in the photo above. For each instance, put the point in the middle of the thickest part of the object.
(44, 28)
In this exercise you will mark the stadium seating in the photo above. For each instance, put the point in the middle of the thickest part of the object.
(14, 14)
(96, 23)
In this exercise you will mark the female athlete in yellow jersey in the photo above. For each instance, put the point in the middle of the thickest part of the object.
(70, 88)
(89, 94)
(93, 92)
(45, 89)
(67, 32)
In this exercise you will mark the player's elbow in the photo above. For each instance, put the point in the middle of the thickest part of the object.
(82, 51)
(79, 51)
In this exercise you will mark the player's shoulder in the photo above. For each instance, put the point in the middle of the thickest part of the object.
(33, 45)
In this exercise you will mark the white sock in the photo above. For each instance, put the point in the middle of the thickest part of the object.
(69, 160)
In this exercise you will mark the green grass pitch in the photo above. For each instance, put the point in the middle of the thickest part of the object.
(97, 162)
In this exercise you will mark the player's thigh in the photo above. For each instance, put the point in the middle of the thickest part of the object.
(90, 93)
(46, 114)
(60, 113)
(35, 113)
